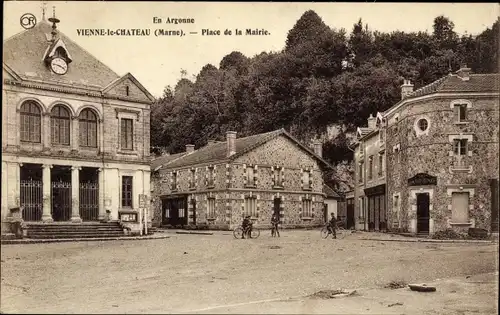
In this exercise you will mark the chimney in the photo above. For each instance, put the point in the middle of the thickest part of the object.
(231, 142)
(464, 73)
(210, 141)
(318, 148)
(189, 148)
(406, 89)
(372, 122)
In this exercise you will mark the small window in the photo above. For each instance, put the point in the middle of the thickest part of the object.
(250, 171)
(210, 175)
(423, 124)
(127, 191)
(174, 180)
(461, 112)
(370, 167)
(307, 208)
(192, 181)
(460, 146)
(278, 176)
(381, 164)
(127, 90)
(306, 179)
(211, 207)
(127, 134)
(360, 172)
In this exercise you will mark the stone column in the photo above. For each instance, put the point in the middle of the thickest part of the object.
(47, 196)
(46, 131)
(75, 130)
(102, 210)
(75, 194)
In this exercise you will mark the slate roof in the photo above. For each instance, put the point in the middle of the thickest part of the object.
(165, 159)
(330, 193)
(217, 152)
(24, 52)
(363, 131)
(453, 83)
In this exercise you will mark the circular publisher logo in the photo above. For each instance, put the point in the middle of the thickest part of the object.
(28, 21)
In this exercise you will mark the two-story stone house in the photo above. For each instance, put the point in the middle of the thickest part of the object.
(441, 157)
(220, 183)
(75, 135)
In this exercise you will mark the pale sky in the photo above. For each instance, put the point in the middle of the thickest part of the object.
(157, 61)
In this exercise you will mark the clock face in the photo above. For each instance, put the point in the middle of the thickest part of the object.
(59, 65)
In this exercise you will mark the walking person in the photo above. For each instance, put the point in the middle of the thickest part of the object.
(275, 220)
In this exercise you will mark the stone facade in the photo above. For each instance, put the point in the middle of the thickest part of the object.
(425, 158)
(41, 163)
(271, 171)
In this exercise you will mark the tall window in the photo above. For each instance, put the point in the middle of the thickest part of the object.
(127, 134)
(30, 122)
(381, 164)
(395, 209)
(251, 206)
(60, 122)
(307, 208)
(211, 207)
(126, 191)
(461, 112)
(370, 167)
(460, 146)
(88, 128)
(306, 179)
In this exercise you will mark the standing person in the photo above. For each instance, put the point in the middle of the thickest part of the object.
(333, 225)
(275, 220)
(247, 226)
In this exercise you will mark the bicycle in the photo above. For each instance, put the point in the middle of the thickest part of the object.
(238, 232)
(340, 232)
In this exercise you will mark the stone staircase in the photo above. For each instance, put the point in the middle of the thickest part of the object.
(73, 230)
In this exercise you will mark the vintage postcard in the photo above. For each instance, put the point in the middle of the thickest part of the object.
(250, 157)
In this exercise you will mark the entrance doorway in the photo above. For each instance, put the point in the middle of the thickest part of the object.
(350, 213)
(423, 216)
(174, 211)
(89, 194)
(277, 206)
(31, 195)
(61, 193)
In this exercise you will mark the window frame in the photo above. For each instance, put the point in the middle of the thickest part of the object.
(370, 167)
(28, 121)
(60, 125)
(307, 208)
(85, 132)
(124, 135)
(126, 201)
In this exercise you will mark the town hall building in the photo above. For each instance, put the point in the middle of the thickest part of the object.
(75, 135)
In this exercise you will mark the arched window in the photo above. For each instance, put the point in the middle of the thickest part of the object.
(30, 122)
(88, 128)
(60, 123)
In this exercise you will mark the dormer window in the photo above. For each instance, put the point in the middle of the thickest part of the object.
(61, 53)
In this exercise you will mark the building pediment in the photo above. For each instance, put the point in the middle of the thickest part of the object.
(422, 179)
(128, 87)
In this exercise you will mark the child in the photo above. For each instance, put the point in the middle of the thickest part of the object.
(275, 220)
(247, 226)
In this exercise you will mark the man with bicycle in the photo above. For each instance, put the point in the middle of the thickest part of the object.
(332, 226)
(247, 226)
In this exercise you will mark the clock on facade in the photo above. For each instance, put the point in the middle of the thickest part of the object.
(59, 65)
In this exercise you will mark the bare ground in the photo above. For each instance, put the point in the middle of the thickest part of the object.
(204, 273)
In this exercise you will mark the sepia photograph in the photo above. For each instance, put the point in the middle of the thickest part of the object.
(164, 157)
